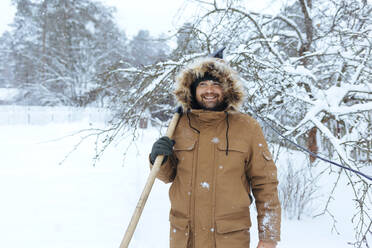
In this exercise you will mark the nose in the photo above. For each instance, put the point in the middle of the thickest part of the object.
(209, 89)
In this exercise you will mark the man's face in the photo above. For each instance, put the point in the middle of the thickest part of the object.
(209, 94)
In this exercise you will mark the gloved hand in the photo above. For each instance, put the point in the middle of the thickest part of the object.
(163, 146)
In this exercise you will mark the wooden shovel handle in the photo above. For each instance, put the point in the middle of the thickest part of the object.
(146, 191)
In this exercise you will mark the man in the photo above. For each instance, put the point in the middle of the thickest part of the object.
(217, 158)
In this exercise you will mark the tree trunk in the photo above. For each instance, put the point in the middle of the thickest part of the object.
(312, 143)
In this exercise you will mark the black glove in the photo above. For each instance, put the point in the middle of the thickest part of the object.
(163, 146)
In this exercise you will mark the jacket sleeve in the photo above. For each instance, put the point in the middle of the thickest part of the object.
(168, 170)
(262, 174)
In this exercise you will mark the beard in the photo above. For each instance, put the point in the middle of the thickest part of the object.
(219, 105)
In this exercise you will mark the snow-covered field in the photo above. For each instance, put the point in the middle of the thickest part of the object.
(45, 204)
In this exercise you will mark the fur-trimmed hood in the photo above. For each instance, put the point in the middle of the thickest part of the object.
(219, 69)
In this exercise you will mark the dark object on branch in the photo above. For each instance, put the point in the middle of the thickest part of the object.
(219, 53)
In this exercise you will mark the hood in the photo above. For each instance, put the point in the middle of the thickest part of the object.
(219, 69)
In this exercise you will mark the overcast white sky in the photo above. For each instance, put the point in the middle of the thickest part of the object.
(158, 17)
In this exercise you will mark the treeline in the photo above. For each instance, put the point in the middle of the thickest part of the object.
(58, 50)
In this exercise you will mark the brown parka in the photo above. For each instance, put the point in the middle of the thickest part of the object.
(219, 159)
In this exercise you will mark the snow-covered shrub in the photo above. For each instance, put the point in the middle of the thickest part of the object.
(297, 190)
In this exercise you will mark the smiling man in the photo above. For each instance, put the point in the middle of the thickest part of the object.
(218, 158)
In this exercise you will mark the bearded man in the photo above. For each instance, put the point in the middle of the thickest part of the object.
(217, 158)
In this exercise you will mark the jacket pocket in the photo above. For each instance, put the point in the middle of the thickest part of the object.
(235, 146)
(184, 145)
(233, 233)
(234, 159)
(179, 232)
(184, 151)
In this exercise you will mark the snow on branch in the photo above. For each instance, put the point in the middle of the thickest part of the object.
(300, 71)
(293, 25)
(356, 108)
(155, 83)
(258, 27)
(331, 103)
(334, 141)
(360, 67)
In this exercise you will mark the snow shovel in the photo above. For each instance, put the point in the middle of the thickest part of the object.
(150, 181)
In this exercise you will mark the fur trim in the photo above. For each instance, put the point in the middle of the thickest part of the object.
(219, 69)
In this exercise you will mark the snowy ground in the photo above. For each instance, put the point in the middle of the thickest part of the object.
(75, 205)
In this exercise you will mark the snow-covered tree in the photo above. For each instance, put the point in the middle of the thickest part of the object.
(145, 49)
(61, 46)
(6, 62)
(187, 41)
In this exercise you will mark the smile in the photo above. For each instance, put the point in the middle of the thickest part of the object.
(210, 98)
